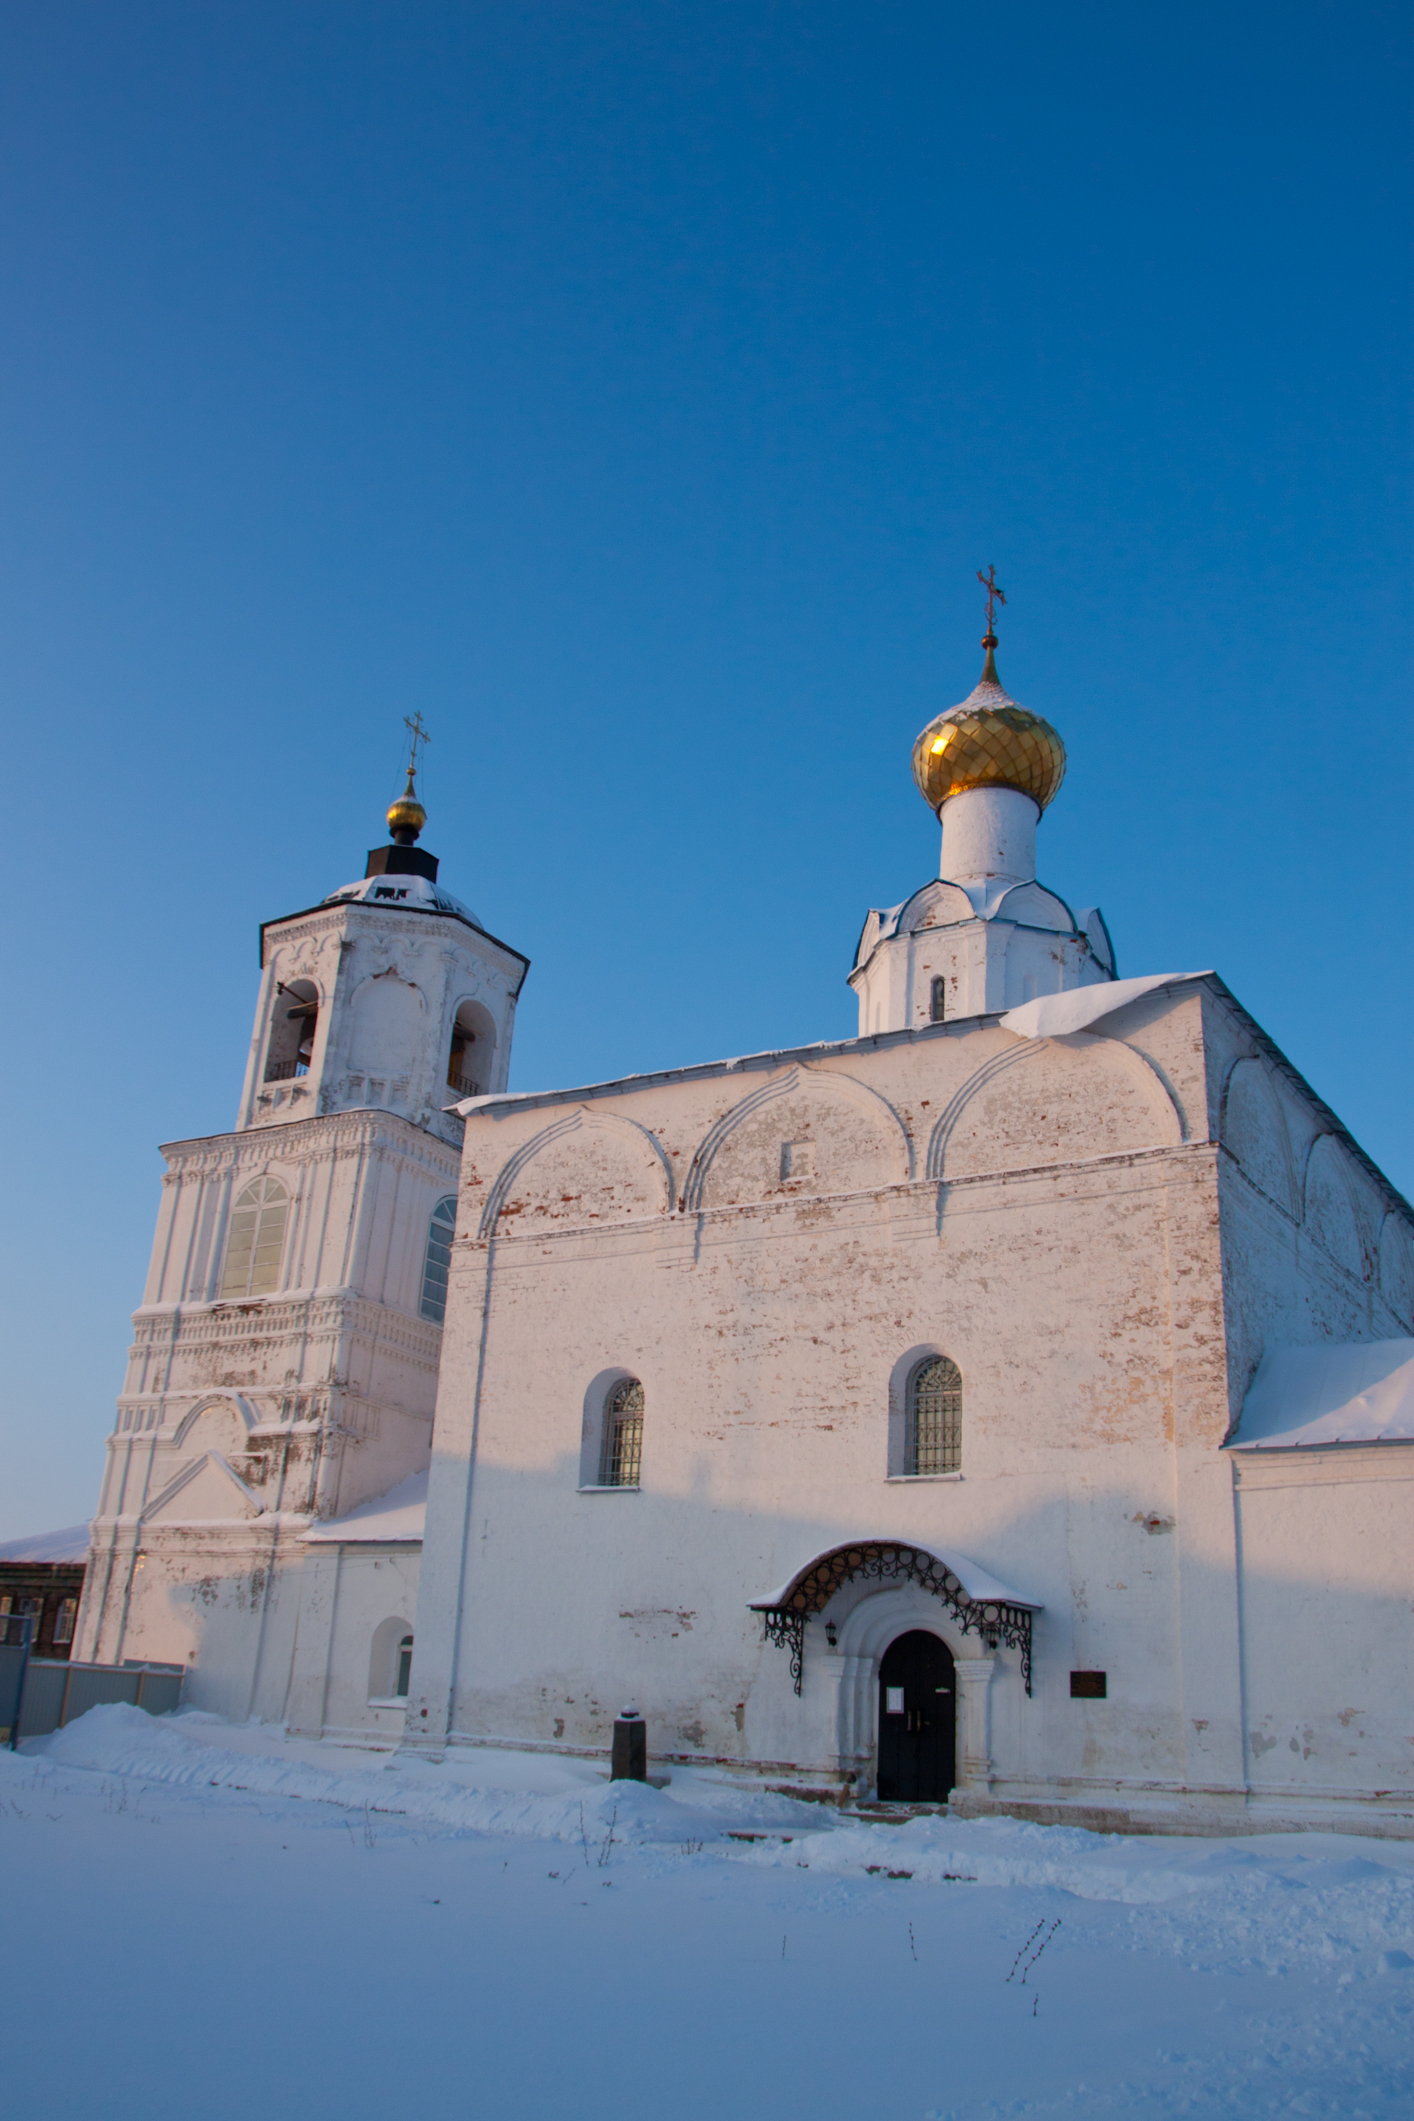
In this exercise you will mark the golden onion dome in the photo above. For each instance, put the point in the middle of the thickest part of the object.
(988, 742)
(407, 814)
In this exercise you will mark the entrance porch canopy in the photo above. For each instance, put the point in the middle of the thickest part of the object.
(977, 1601)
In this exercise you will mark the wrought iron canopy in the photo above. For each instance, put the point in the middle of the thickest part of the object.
(879, 1560)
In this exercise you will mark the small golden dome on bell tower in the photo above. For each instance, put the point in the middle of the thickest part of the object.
(406, 817)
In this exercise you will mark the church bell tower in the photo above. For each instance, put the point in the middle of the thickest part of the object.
(389, 993)
(285, 1355)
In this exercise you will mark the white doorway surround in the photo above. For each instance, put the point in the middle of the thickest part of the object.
(864, 1595)
(877, 1618)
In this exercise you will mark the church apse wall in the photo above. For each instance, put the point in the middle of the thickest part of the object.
(1315, 1245)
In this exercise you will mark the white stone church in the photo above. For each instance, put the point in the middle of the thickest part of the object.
(1012, 1405)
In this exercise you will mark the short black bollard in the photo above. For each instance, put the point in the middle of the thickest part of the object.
(630, 1756)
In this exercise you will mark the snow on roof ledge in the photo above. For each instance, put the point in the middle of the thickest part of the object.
(976, 1581)
(1361, 1392)
(1058, 1015)
(70, 1544)
(394, 1519)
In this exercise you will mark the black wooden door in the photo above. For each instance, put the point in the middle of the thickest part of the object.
(917, 1720)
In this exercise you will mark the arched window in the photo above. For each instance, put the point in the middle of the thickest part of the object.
(292, 1030)
(256, 1239)
(622, 1452)
(404, 1672)
(435, 1268)
(933, 1443)
(939, 1008)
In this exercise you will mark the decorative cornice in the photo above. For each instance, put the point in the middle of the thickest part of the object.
(511, 1244)
(376, 920)
(317, 1315)
(326, 1134)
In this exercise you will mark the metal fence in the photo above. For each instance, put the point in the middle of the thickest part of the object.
(42, 1694)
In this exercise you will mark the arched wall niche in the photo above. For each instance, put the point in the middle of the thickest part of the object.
(806, 1131)
(588, 1168)
(387, 1019)
(1397, 1268)
(1254, 1130)
(388, 1638)
(1045, 1101)
(222, 1424)
(1330, 1217)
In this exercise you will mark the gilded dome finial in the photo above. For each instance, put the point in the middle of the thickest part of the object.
(988, 741)
(406, 817)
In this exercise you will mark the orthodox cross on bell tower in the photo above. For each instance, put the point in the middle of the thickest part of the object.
(995, 595)
(406, 817)
(418, 735)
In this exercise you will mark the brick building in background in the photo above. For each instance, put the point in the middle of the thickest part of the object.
(44, 1576)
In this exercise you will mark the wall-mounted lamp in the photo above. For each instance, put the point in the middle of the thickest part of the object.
(832, 1633)
(991, 1633)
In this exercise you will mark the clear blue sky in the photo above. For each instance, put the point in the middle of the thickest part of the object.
(634, 388)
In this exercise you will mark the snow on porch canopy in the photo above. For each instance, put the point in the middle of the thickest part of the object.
(1358, 1393)
(977, 1601)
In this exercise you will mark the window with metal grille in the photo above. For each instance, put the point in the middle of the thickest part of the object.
(437, 1264)
(256, 1239)
(934, 1435)
(622, 1453)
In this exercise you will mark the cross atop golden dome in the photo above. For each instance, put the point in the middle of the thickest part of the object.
(406, 817)
(988, 741)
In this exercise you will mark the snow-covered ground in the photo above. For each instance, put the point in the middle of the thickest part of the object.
(202, 1920)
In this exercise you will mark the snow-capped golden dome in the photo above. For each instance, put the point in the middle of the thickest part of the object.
(988, 742)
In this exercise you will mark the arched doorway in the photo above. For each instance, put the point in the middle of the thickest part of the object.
(917, 1720)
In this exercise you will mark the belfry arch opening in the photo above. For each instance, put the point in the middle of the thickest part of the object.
(471, 1055)
(294, 1021)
